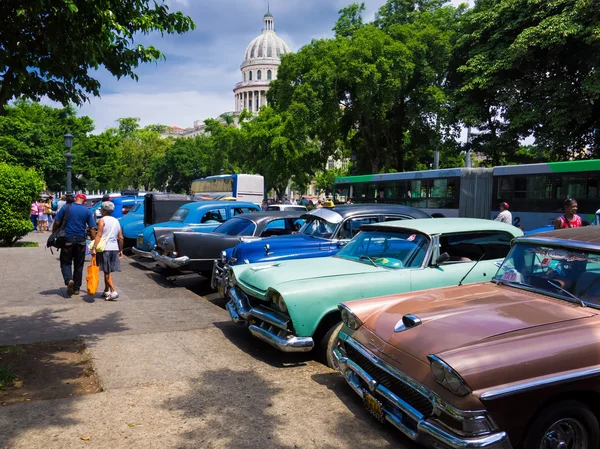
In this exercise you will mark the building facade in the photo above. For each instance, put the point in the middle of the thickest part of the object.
(261, 61)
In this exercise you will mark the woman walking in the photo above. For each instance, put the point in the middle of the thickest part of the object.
(34, 215)
(110, 239)
(43, 212)
(570, 219)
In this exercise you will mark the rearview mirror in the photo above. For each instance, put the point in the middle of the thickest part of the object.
(444, 257)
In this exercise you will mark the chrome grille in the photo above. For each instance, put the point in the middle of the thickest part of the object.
(404, 391)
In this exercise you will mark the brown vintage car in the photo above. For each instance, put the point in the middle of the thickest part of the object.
(510, 363)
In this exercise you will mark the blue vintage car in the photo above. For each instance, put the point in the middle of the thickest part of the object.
(132, 224)
(202, 216)
(324, 233)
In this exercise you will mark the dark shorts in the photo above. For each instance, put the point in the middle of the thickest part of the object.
(108, 261)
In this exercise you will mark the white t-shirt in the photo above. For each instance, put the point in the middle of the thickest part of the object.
(505, 217)
(111, 233)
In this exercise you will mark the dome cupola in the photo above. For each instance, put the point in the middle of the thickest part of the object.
(267, 45)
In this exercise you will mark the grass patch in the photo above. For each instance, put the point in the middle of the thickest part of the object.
(21, 245)
(7, 376)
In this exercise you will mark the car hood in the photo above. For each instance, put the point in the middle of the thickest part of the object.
(279, 244)
(262, 276)
(484, 331)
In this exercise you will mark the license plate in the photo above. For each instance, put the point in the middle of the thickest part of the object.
(373, 406)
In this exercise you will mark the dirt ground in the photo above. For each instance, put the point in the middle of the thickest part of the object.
(49, 370)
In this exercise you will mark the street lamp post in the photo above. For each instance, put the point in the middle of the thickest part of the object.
(69, 158)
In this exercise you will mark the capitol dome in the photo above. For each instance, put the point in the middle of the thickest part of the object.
(261, 61)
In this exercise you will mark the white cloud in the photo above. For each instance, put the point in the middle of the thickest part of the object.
(176, 108)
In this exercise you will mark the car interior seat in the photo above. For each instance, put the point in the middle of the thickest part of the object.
(588, 286)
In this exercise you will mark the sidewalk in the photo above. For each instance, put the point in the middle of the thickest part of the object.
(176, 372)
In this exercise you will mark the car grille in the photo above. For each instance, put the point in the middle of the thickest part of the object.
(404, 391)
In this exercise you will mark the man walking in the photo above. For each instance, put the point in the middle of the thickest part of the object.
(72, 256)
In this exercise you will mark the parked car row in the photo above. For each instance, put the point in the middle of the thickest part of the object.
(460, 333)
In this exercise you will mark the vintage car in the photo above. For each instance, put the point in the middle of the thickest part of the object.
(323, 234)
(132, 224)
(201, 216)
(292, 304)
(197, 251)
(286, 207)
(514, 362)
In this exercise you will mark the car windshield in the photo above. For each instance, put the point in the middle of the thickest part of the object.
(317, 227)
(180, 214)
(135, 207)
(237, 227)
(568, 273)
(387, 249)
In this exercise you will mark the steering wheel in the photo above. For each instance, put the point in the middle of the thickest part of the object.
(389, 262)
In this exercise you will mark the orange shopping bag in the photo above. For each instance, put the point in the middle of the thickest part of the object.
(93, 277)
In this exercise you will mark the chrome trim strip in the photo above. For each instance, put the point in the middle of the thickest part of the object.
(170, 262)
(240, 303)
(521, 387)
(291, 344)
(428, 433)
(141, 253)
(233, 314)
(271, 317)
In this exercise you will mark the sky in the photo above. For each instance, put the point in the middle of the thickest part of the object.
(196, 80)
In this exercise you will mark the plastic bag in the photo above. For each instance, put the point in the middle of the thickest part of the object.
(93, 277)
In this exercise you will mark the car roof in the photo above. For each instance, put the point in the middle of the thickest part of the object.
(350, 210)
(445, 225)
(586, 237)
(207, 204)
(267, 215)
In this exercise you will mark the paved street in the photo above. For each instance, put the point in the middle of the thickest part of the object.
(176, 372)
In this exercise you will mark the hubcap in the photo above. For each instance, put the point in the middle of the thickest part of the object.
(567, 433)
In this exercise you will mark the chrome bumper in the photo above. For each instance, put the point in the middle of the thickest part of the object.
(220, 280)
(138, 252)
(170, 262)
(273, 328)
(428, 433)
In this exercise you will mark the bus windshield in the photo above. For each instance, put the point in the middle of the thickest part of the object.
(213, 188)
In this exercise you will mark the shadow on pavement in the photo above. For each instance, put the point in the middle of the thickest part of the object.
(235, 410)
(337, 384)
(241, 337)
(47, 325)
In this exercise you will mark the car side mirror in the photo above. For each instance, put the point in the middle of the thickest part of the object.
(342, 243)
(444, 257)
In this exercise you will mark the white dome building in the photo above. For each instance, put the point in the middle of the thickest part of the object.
(261, 60)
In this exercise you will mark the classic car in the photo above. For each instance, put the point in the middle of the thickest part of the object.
(201, 216)
(286, 207)
(123, 204)
(323, 234)
(132, 224)
(292, 304)
(514, 362)
(197, 251)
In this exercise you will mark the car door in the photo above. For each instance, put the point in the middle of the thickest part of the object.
(464, 249)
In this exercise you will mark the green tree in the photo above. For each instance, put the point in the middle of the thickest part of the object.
(186, 160)
(32, 135)
(350, 20)
(139, 154)
(325, 179)
(19, 187)
(277, 146)
(529, 68)
(51, 48)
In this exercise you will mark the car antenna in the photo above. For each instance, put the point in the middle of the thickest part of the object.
(474, 265)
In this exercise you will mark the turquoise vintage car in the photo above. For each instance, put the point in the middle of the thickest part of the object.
(292, 304)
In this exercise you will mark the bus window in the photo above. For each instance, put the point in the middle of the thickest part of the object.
(539, 187)
(592, 186)
(571, 186)
(504, 188)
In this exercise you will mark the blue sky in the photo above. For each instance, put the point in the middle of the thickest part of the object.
(196, 81)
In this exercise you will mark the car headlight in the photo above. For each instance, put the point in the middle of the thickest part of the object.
(140, 239)
(447, 377)
(279, 303)
(223, 257)
(348, 318)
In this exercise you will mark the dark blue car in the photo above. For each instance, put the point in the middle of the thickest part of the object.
(323, 234)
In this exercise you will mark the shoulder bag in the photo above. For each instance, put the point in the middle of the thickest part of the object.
(59, 237)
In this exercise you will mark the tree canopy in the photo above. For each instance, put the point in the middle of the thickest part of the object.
(51, 48)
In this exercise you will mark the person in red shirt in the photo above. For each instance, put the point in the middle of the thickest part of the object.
(570, 219)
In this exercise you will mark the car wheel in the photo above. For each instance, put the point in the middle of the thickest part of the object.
(328, 344)
(565, 424)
